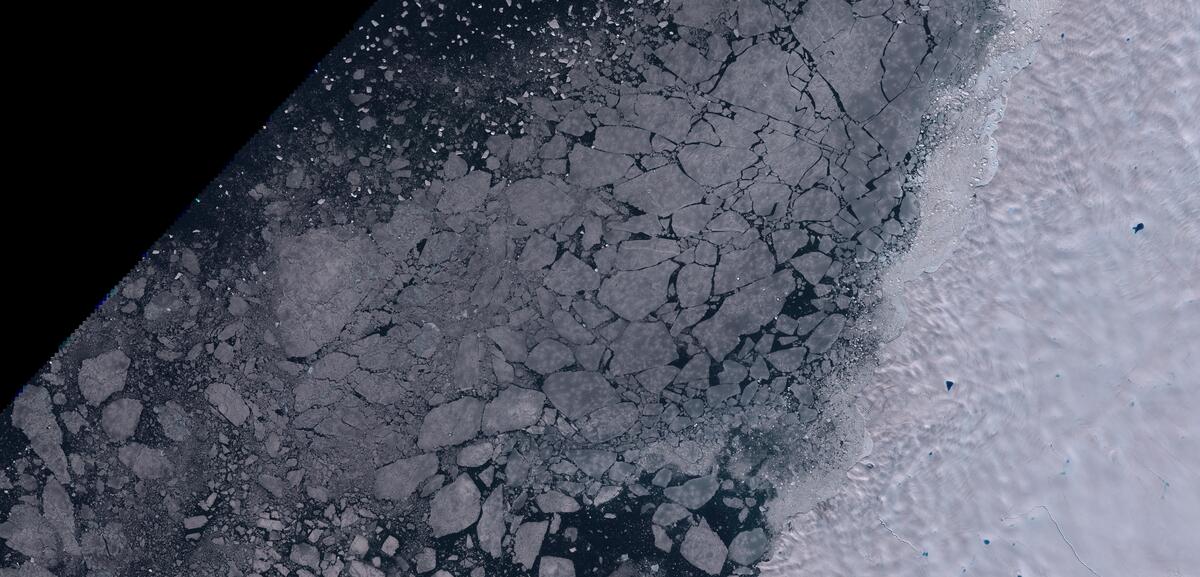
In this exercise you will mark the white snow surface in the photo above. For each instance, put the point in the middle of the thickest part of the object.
(1070, 442)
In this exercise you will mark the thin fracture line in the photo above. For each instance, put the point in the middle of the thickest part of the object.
(899, 538)
(1067, 541)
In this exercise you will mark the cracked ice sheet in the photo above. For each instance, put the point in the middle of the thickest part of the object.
(437, 303)
(1066, 441)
